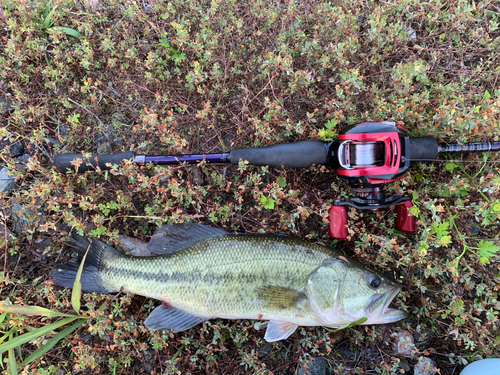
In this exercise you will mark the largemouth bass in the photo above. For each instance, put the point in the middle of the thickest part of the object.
(207, 273)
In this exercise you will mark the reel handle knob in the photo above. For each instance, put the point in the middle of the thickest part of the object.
(338, 222)
(404, 222)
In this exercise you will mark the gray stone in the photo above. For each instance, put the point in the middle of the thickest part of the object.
(5, 232)
(104, 148)
(16, 149)
(425, 366)
(134, 246)
(51, 141)
(63, 130)
(197, 177)
(24, 217)
(43, 245)
(412, 34)
(405, 344)
(264, 351)
(316, 367)
(5, 105)
(7, 182)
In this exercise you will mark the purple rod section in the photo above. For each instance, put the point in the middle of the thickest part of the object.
(178, 159)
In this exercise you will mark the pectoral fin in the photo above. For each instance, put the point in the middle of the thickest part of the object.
(279, 298)
(173, 319)
(279, 330)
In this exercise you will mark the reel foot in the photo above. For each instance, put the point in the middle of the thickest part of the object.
(404, 222)
(338, 222)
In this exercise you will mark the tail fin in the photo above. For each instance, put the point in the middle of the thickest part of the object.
(64, 274)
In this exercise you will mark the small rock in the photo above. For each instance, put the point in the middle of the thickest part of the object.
(473, 231)
(16, 149)
(7, 182)
(316, 367)
(24, 217)
(404, 365)
(425, 366)
(405, 344)
(412, 34)
(93, 5)
(147, 6)
(134, 246)
(5, 105)
(197, 176)
(62, 130)
(264, 351)
(42, 245)
(5, 232)
(51, 141)
(32, 149)
(104, 148)
(345, 351)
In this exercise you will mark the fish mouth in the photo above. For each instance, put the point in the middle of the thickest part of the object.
(378, 310)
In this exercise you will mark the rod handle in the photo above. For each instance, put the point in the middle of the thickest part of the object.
(65, 162)
(289, 155)
(423, 148)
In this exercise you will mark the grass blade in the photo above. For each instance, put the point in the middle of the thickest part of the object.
(12, 362)
(66, 30)
(24, 338)
(32, 310)
(77, 285)
(51, 342)
(46, 21)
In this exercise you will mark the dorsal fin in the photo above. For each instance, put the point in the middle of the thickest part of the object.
(173, 237)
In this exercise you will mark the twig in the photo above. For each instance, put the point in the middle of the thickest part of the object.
(87, 110)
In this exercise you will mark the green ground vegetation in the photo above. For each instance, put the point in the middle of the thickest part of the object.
(174, 76)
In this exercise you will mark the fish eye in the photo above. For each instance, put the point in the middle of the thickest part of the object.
(375, 282)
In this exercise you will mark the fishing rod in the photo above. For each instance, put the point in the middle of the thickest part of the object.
(366, 156)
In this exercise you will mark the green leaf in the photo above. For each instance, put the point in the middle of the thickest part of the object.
(449, 166)
(2, 317)
(281, 181)
(24, 338)
(445, 240)
(331, 123)
(356, 323)
(413, 211)
(53, 341)
(77, 285)
(495, 207)
(441, 230)
(32, 310)
(65, 30)
(267, 202)
(486, 250)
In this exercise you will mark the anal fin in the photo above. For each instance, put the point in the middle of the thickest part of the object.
(172, 318)
(279, 330)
